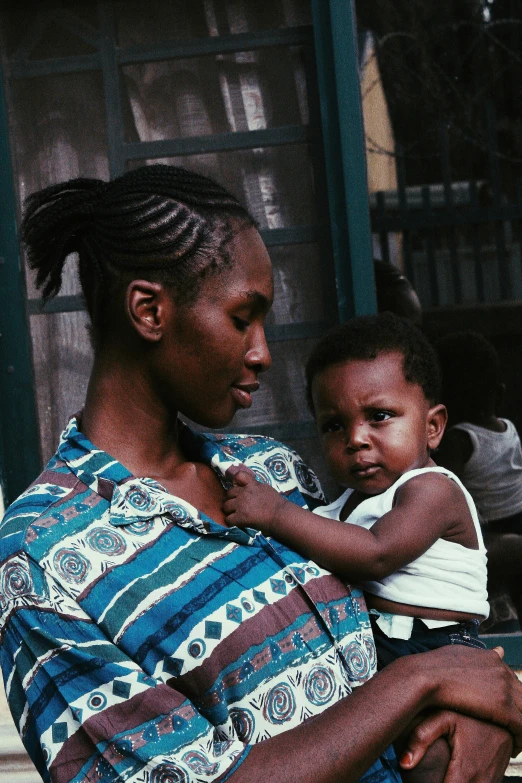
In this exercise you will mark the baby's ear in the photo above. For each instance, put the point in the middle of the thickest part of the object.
(436, 423)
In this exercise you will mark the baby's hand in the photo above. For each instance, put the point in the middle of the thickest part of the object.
(250, 503)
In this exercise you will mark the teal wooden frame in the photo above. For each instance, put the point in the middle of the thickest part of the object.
(512, 645)
(19, 443)
(345, 154)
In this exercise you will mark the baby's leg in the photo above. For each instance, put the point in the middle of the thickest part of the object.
(432, 768)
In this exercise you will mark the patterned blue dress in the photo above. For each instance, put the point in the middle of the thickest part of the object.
(141, 641)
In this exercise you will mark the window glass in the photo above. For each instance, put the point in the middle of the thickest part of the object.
(222, 93)
(77, 110)
(43, 30)
(62, 359)
(275, 184)
(199, 18)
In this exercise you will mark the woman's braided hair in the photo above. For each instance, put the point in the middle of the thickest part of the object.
(171, 224)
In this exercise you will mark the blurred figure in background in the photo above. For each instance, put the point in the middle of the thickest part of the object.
(395, 293)
(484, 450)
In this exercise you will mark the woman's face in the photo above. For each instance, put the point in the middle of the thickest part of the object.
(214, 349)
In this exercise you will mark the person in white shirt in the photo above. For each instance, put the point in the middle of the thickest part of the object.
(484, 451)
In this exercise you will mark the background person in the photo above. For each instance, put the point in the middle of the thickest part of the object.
(484, 450)
(140, 634)
(395, 293)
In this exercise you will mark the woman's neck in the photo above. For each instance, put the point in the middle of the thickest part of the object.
(128, 421)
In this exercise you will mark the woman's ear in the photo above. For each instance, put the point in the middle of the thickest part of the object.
(436, 423)
(146, 306)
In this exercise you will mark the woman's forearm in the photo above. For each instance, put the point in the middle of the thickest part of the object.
(340, 744)
(343, 742)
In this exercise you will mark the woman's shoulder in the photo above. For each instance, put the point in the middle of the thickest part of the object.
(52, 485)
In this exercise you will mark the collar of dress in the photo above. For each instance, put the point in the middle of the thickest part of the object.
(134, 500)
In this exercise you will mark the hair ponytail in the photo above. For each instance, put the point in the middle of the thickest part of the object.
(55, 224)
(171, 223)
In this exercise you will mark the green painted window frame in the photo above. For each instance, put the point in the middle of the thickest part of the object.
(338, 99)
(512, 644)
(336, 63)
(19, 442)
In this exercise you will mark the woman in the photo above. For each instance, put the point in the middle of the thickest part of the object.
(142, 639)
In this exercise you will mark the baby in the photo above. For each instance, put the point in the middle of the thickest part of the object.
(413, 537)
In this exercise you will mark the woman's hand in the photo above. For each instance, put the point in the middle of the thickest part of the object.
(479, 751)
(342, 742)
(250, 503)
(475, 682)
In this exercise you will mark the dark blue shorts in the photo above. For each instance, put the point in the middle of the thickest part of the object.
(424, 639)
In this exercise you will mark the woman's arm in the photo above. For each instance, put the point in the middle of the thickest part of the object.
(480, 753)
(426, 508)
(340, 744)
(100, 714)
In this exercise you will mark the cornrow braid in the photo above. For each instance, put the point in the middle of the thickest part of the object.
(171, 223)
(54, 218)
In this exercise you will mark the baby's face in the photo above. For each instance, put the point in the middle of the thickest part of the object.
(374, 425)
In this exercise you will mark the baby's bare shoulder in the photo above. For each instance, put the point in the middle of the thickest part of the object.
(432, 488)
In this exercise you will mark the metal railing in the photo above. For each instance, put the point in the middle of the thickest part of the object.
(458, 241)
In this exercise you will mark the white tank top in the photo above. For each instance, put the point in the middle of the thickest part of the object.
(446, 576)
(493, 473)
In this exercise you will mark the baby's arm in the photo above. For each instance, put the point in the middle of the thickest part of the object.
(427, 507)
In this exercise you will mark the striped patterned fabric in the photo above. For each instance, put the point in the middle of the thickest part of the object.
(141, 641)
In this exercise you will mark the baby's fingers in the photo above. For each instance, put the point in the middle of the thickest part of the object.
(240, 475)
(229, 506)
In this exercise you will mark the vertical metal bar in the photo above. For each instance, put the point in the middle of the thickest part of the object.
(519, 223)
(403, 207)
(432, 260)
(111, 87)
(20, 447)
(504, 278)
(383, 235)
(326, 270)
(448, 205)
(475, 242)
(345, 158)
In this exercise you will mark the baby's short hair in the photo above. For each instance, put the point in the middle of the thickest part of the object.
(368, 336)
